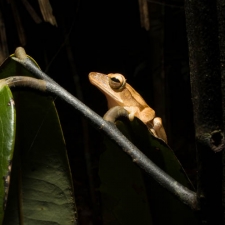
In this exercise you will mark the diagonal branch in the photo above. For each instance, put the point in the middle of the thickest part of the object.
(50, 86)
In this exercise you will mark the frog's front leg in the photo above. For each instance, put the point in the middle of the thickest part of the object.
(158, 128)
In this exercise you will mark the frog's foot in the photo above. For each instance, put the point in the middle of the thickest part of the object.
(131, 116)
(133, 111)
(159, 129)
(115, 113)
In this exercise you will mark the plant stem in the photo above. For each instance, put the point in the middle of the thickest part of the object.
(184, 194)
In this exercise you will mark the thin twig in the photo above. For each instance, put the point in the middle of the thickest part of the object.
(18, 21)
(32, 12)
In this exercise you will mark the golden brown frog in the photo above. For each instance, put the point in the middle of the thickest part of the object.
(120, 93)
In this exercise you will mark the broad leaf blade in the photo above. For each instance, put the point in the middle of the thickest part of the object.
(123, 192)
(162, 201)
(7, 140)
(42, 185)
(122, 180)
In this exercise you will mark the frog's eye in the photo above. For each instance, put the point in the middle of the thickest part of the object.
(117, 81)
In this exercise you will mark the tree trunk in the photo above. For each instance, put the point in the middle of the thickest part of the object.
(204, 59)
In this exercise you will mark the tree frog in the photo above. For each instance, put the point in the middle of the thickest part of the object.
(119, 93)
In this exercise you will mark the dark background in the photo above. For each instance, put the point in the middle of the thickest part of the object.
(106, 37)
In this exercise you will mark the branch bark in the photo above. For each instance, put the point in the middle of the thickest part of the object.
(204, 56)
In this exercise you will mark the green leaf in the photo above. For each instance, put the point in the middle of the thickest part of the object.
(41, 192)
(163, 202)
(121, 178)
(7, 140)
(123, 191)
